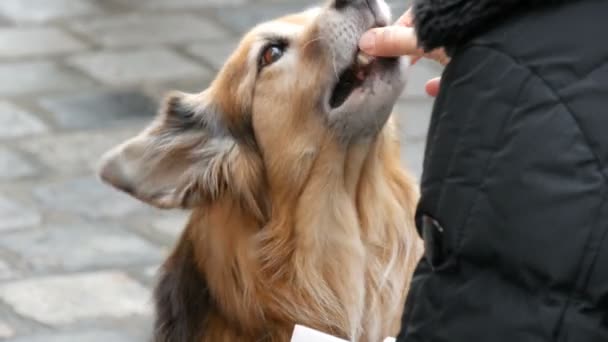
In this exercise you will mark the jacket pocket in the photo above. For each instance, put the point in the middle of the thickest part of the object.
(435, 250)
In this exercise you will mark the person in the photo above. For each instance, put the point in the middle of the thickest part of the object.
(514, 192)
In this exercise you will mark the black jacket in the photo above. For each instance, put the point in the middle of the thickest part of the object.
(514, 207)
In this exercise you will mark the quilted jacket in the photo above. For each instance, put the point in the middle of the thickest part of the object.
(514, 207)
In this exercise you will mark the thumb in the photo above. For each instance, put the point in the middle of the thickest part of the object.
(390, 41)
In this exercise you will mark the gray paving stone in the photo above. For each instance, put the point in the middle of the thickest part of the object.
(6, 272)
(151, 272)
(53, 249)
(215, 54)
(14, 166)
(419, 74)
(412, 154)
(100, 109)
(87, 197)
(6, 331)
(44, 10)
(138, 66)
(15, 216)
(31, 77)
(301, 2)
(68, 299)
(243, 18)
(171, 224)
(16, 122)
(413, 117)
(88, 336)
(195, 85)
(180, 4)
(398, 7)
(36, 41)
(137, 29)
(76, 152)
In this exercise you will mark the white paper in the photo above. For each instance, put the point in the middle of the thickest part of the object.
(304, 334)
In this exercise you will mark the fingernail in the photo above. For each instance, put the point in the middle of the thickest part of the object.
(367, 42)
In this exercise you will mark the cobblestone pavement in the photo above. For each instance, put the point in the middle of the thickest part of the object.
(77, 259)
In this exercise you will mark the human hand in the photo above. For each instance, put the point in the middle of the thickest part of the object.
(400, 40)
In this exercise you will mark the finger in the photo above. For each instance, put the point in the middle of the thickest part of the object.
(390, 41)
(439, 55)
(432, 86)
(415, 60)
(409, 18)
(406, 19)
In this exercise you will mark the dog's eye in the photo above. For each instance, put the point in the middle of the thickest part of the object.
(271, 54)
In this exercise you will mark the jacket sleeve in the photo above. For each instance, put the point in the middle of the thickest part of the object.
(452, 23)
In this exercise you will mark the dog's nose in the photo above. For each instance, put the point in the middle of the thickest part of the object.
(377, 7)
(339, 4)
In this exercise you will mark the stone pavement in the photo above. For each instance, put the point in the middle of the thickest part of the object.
(78, 259)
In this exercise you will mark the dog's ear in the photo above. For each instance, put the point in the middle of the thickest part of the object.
(186, 157)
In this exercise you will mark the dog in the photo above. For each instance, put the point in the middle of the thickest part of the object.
(301, 212)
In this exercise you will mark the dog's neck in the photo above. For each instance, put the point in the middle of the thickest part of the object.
(327, 251)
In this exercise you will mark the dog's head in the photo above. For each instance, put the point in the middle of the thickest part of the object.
(292, 88)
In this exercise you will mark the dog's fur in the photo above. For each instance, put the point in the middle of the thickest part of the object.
(300, 214)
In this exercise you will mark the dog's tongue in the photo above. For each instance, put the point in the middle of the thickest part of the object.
(363, 61)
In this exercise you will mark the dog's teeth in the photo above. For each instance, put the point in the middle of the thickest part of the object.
(364, 59)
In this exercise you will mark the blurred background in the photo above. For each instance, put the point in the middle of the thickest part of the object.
(78, 259)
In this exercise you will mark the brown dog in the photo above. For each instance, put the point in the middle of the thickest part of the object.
(301, 211)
